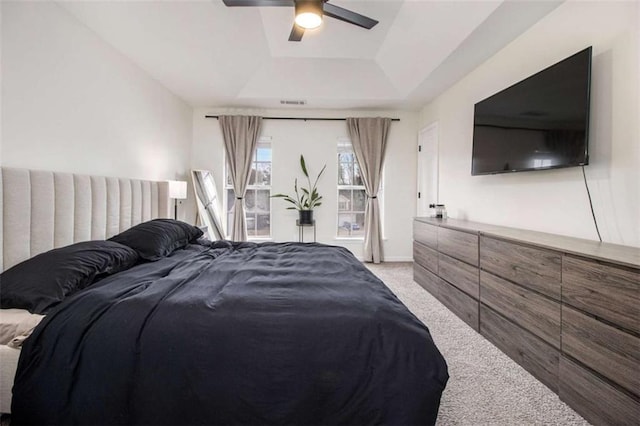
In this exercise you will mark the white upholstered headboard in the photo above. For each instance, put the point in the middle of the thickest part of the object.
(41, 210)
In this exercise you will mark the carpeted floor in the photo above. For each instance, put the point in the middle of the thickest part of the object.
(485, 386)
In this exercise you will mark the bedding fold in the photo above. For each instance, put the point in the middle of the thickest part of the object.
(232, 333)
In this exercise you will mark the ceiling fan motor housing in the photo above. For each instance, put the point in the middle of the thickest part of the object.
(308, 13)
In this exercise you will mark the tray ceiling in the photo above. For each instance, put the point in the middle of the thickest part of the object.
(212, 55)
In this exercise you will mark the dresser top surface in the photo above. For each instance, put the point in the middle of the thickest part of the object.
(614, 253)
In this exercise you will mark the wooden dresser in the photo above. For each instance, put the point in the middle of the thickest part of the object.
(566, 309)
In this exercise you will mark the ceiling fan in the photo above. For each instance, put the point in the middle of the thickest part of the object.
(308, 14)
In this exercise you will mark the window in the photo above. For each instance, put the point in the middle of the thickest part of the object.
(351, 193)
(257, 199)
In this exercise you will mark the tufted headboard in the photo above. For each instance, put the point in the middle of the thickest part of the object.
(41, 210)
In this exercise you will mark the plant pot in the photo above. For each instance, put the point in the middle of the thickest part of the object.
(306, 217)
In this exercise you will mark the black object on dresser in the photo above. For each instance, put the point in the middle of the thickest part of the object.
(565, 309)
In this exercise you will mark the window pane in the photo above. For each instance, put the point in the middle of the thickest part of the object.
(252, 174)
(263, 154)
(344, 200)
(263, 225)
(250, 200)
(251, 225)
(345, 224)
(263, 176)
(359, 200)
(345, 173)
(231, 198)
(263, 202)
(357, 177)
(345, 154)
(358, 226)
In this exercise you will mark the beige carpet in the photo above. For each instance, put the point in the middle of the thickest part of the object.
(485, 386)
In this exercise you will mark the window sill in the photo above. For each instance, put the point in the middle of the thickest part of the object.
(260, 239)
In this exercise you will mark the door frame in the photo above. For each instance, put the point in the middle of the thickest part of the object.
(422, 205)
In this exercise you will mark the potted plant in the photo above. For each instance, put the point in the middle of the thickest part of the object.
(305, 199)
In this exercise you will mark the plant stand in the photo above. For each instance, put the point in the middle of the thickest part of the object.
(301, 230)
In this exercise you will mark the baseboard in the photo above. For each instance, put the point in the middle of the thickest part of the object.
(392, 259)
(398, 259)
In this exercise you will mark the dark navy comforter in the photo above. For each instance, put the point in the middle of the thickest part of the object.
(232, 333)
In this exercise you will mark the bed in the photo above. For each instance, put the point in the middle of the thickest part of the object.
(41, 210)
(227, 333)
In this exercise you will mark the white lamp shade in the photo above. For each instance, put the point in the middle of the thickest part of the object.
(177, 189)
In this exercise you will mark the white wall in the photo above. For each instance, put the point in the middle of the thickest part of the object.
(71, 102)
(317, 141)
(1, 83)
(556, 200)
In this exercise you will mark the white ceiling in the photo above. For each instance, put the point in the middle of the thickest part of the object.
(212, 55)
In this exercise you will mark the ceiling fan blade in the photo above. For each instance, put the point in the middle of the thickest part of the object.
(296, 33)
(258, 3)
(349, 16)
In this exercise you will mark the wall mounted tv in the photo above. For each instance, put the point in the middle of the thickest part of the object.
(539, 123)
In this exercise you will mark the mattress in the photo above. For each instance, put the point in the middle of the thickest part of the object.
(8, 364)
(15, 326)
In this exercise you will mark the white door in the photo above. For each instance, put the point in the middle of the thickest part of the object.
(427, 168)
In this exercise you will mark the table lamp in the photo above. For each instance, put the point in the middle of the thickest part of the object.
(177, 191)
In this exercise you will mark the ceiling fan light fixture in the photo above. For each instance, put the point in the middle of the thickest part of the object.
(309, 14)
(308, 21)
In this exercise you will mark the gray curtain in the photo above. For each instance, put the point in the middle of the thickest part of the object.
(240, 134)
(369, 140)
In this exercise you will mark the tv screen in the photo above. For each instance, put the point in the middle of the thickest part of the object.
(541, 122)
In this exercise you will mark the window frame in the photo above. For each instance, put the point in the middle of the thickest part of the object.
(341, 144)
(264, 141)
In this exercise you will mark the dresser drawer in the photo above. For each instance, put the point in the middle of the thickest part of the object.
(460, 274)
(455, 300)
(460, 245)
(535, 313)
(425, 256)
(537, 269)
(608, 292)
(461, 304)
(593, 398)
(611, 352)
(427, 279)
(534, 355)
(425, 234)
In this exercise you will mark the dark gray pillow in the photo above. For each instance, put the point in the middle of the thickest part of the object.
(158, 238)
(40, 283)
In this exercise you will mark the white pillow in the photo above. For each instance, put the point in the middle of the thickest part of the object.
(16, 325)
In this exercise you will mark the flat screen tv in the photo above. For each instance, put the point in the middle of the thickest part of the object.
(539, 123)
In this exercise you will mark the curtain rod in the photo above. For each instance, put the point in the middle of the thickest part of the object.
(300, 118)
